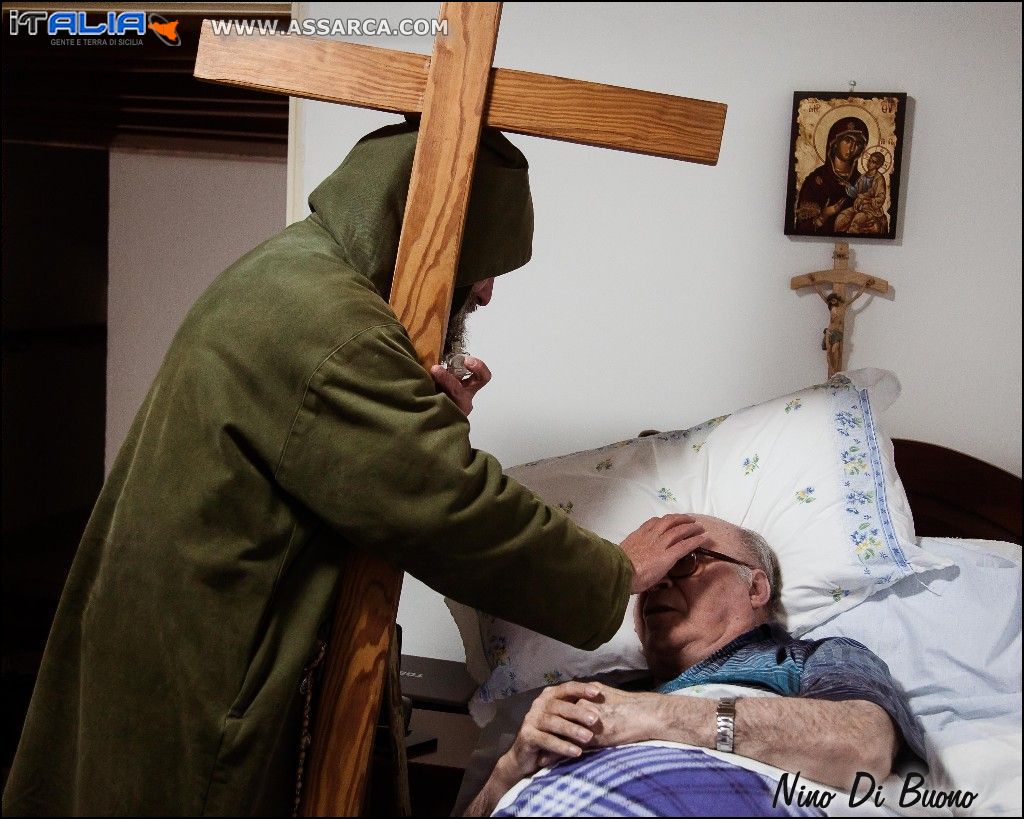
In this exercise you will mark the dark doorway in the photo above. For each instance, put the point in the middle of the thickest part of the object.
(64, 107)
(54, 379)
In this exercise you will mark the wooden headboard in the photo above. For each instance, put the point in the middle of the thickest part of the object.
(955, 495)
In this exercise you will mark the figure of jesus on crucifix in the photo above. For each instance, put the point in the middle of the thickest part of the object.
(832, 286)
(832, 336)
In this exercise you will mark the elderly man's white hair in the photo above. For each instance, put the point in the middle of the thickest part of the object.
(763, 556)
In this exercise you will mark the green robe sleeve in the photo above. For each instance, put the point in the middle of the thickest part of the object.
(384, 458)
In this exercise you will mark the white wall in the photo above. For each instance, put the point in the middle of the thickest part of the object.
(175, 223)
(659, 291)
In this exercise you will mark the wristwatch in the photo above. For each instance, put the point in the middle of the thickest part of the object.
(725, 724)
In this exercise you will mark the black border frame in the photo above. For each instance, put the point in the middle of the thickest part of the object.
(894, 176)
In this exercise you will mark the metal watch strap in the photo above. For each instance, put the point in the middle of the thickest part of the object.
(725, 724)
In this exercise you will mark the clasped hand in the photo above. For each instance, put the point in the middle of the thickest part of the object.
(566, 718)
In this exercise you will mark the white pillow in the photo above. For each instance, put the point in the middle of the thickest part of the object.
(811, 471)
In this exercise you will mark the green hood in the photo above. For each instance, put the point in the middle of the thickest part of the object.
(362, 204)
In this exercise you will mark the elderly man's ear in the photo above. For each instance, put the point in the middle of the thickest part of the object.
(760, 590)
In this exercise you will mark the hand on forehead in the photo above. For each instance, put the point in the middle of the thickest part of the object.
(725, 536)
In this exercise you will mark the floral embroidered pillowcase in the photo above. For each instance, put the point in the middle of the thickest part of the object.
(812, 472)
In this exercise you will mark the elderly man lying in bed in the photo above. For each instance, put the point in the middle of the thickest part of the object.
(713, 619)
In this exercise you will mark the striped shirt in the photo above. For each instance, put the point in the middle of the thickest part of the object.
(836, 668)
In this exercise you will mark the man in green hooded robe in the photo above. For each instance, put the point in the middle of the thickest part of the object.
(289, 420)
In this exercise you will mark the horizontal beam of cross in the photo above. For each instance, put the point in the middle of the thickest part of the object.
(585, 113)
(840, 275)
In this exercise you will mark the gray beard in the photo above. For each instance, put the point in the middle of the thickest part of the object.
(455, 338)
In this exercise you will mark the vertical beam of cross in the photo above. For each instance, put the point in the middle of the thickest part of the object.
(428, 256)
(442, 173)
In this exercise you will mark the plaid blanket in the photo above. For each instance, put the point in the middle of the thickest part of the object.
(647, 780)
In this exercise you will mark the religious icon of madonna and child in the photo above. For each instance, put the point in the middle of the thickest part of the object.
(844, 164)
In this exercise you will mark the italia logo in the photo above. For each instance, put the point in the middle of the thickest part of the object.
(76, 24)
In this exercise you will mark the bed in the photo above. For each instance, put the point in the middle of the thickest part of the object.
(948, 625)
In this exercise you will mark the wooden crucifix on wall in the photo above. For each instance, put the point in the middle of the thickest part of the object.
(457, 91)
(839, 288)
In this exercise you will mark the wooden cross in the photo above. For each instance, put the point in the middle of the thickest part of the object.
(838, 299)
(457, 91)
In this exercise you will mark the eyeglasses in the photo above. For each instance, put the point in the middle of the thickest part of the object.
(687, 566)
